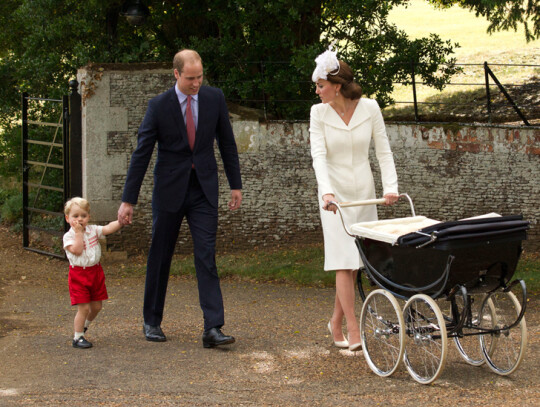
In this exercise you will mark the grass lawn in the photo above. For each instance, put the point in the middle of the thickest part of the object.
(462, 26)
(297, 265)
(476, 47)
(304, 266)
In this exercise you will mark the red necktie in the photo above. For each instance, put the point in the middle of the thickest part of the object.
(190, 124)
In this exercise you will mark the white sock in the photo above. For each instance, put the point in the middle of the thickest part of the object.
(87, 323)
(78, 335)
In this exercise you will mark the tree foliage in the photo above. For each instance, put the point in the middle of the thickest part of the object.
(503, 14)
(261, 53)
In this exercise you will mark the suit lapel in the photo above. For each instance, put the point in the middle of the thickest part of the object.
(359, 116)
(203, 111)
(176, 112)
(332, 118)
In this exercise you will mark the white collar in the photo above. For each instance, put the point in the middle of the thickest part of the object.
(182, 97)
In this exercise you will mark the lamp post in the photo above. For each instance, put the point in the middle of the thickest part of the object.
(135, 12)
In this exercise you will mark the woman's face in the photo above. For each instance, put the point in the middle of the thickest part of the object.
(326, 90)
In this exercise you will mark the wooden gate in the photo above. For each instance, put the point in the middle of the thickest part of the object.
(51, 168)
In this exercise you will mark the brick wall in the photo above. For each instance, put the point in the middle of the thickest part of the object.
(450, 171)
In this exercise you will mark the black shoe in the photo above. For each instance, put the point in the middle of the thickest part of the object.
(81, 343)
(153, 333)
(214, 337)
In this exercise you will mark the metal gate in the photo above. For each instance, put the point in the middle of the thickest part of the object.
(51, 168)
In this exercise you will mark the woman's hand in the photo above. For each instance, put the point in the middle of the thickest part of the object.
(327, 199)
(391, 198)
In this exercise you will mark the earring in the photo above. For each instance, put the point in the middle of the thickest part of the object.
(337, 93)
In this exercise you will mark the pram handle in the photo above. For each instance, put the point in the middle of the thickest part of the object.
(378, 201)
(340, 205)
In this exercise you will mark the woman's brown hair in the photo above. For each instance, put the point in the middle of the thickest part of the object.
(349, 88)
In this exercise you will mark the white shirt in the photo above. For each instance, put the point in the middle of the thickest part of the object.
(91, 251)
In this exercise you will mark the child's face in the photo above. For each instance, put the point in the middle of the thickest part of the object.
(77, 216)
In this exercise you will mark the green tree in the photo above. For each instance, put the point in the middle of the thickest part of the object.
(260, 52)
(503, 14)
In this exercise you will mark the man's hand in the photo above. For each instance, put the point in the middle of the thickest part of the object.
(125, 214)
(236, 199)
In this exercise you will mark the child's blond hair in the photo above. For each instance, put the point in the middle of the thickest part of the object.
(80, 202)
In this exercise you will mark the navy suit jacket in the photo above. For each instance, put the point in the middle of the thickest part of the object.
(164, 124)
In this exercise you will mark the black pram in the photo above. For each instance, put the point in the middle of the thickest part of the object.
(455, 278)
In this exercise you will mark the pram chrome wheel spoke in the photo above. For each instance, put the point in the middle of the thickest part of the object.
(381, 324)
(505, 345)
(425, 339)
(469, 346)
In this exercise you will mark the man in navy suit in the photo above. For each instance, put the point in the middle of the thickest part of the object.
(184, 121)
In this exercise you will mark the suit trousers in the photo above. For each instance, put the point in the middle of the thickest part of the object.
(202, 219)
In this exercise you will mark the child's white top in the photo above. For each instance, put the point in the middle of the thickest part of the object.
(92, 250)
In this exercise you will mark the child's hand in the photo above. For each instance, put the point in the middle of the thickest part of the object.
(77, 227)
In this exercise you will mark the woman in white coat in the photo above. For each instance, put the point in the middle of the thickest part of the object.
(341, 130)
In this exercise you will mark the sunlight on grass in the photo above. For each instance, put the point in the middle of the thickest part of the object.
(476, 47)
(462, 26)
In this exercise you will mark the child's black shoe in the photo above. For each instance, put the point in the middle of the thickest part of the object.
(81, 343)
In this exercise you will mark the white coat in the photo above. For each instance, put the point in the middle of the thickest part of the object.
(340, 155)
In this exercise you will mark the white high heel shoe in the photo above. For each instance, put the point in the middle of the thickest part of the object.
(339, 344)
(355, 347)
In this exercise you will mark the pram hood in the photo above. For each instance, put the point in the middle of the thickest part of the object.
(482, 227)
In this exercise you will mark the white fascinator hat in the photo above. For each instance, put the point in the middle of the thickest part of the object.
(327, 64)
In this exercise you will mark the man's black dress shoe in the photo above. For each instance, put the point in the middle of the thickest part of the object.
(214, 337)
(153, 333)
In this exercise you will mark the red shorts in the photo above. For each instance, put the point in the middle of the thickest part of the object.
(87, 284)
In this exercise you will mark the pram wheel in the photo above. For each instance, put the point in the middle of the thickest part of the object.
(425, 341)
(381, 324)
(504, 348)
(469, 346)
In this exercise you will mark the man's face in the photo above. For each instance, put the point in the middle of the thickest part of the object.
(189, 81)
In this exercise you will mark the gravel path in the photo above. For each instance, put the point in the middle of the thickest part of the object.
(283, 355)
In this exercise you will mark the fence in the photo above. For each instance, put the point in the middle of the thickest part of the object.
(487, 100)
(481, 93)
(51, 168)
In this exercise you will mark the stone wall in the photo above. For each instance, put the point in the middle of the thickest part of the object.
(450, 171)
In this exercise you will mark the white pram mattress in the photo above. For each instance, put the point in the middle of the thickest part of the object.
(390, 230)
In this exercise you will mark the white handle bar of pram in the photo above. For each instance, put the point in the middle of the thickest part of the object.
(362, 203)
(340, 205)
